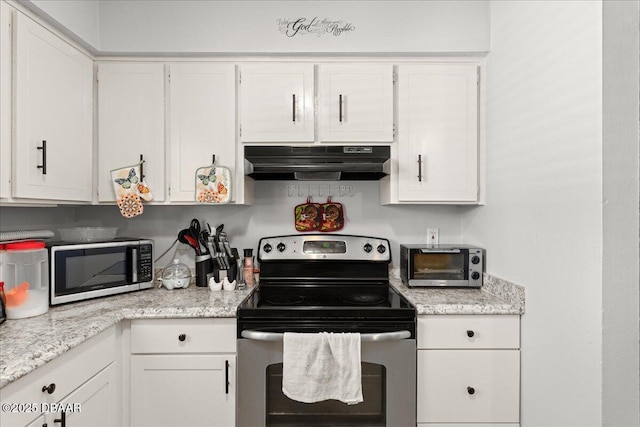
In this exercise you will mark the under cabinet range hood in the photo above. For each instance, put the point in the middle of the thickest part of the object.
(317, 163)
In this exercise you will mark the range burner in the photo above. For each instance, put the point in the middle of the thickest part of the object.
(280, 299)
(364, 299)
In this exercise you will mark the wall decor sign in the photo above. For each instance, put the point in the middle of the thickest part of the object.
(292, 27)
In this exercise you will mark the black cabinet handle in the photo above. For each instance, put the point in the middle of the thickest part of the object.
(182, 337)
(141, 167)
(293, 106)
(471, 390)
(43, 166)
(49, 388)
(226, 377)
(419, 167)
(340, 108)
(62, 420)
(470, 333)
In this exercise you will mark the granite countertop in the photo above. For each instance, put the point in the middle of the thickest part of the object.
(26, 344)
(497, 296)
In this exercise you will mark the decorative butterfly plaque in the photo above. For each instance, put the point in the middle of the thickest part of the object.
(213, 184)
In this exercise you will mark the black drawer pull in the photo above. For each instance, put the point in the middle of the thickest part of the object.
(49, 388)
(470, 333)
(471, 390)
(182, 337)
(62, 420)
(43, 166)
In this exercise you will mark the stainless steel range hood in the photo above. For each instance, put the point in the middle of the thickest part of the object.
(317, 163)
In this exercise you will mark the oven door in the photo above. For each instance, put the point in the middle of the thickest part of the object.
(388, 385)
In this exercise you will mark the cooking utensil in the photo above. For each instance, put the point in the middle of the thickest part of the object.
(184, 236)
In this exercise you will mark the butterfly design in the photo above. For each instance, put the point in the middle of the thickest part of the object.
(206, 179)
(126, 182)
(143, 189)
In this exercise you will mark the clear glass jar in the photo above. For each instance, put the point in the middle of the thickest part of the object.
(26, 277)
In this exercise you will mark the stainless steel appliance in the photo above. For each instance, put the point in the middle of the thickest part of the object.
(80, 271)
(327, 162)
(441, 265)
(326, 283)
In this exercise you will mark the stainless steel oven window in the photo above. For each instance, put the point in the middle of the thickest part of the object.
(282, 411)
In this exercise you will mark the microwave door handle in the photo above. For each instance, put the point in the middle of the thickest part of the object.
(439, 250)
(274, 336)
(134, 265)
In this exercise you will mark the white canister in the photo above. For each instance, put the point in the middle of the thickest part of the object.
(26, 277)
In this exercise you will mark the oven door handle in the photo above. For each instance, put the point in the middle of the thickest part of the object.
(274, 336)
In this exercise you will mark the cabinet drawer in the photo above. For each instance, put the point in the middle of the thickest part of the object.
(468, 331)
(67, 372)
(150, 336)
(480, 386)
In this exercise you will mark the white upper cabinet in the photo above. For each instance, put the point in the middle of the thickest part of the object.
(53, 116)
(438, 136)
(356, 102)
(202, 117)
(277, 102)
(5, 101)
(130, 124)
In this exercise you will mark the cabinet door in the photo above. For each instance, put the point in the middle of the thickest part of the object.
(5, 100)
(53, 113)
(277, 102)
(438, 133)
(183, 390)
(202, 116)
(130, 124)
(356, 102)
(95, 403)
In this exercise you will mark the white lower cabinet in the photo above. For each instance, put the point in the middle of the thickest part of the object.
(82, 386)
(183, 372)
(468, 370)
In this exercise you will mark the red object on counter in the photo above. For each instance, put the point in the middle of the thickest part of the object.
(25, 246)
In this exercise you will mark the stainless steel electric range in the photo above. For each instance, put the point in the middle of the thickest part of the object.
(326, 283)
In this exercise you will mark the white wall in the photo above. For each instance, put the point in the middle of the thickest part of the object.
(621, 223)
(543, 222)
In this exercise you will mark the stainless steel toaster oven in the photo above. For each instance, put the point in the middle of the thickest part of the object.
(441, 265)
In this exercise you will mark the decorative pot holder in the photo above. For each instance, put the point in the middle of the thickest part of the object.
(308, 216)
(213, 184)
(332, 216)
(130, 190)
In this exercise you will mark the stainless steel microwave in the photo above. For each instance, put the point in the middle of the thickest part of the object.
(80, 271)
(441, 265)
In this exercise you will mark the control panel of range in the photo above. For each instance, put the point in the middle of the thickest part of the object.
(324, 247)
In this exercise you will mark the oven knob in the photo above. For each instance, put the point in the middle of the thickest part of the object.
(475, 259)
(475, 275)
(382, 249)
(367, 247)
(267, 248)
(281, 247)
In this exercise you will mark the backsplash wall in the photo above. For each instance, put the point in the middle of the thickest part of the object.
(271, 214)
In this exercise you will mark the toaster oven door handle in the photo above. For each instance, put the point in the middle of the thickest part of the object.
(274, 336)
(439, 250)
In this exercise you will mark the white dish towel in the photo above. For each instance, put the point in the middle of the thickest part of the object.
(322, 366)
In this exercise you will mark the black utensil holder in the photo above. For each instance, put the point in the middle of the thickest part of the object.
(204, 270)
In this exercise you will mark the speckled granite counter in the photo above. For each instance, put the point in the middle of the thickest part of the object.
(497, 296)
(26, 344)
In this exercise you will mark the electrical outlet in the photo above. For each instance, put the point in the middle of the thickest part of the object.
(432, 236)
